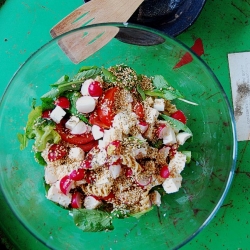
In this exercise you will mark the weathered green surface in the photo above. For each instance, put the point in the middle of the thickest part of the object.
(223, 27)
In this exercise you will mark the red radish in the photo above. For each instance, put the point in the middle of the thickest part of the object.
(128, 172)
(95, 89)
(46, 114)
(56, 152)
(86, 164)
(139, 110)
(66, 184)
(113, 147)
(76, 200)
(77, 175)
(109, 197)
(143, 126)
(144, 181)
(62, 102)
(161, 130)
(89, 177)
(164, 172)
(179, 115)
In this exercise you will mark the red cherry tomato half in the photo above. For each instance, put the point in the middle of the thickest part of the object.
(88, 146)
(94, 120)
(164, 172)
(104, 108)
(179, 115)
(139, 110)
(56, 152)
(63, 102)
(73, 139)
(46, 114)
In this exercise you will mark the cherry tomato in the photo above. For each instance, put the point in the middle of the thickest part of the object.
(56, 152)
(73, 139)
(46, 114)
(63, 102)
(94, 120)
(139, 110)
(179, 115)
(88, 146)
(164, 172)
(104, 108)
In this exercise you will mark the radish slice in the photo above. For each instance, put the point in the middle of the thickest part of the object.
(144, 181)
(143, 126)
(161, 131)
(97, 132)
(85, 87)
(85, 104)
(115, 171)
(76, 200)
(91, 202)
(77, 175)
(66, 184)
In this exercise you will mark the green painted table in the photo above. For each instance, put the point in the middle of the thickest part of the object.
(223, 26)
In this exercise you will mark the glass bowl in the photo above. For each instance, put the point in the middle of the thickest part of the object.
(206, 179)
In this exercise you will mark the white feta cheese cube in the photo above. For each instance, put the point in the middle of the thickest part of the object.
(172, 184)
(177, 163)
(57, 114)
(76, 153)
(71, 123)
(115, 170)
(159, 104)
(124, 121)
(91, 203)
(54, 194)
(170, 138)
(50, 175)
(151, 115)
(155, 198)
(97, 132)
(182, 137)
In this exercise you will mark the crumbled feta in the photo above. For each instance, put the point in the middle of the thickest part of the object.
(151, 115)
(71, 123)
(97, 132)
(170, 138)
(177, 163)
(112, 134)
(99, 159)
(115, 170)
(50, 175)
(91, 203)
(54, 194)
(172, 184)
(76, 153)
(57, 114)
(125, 121)
(182, 137)
(159, 104)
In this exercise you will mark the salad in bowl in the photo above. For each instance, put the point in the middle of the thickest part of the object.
(110, 141)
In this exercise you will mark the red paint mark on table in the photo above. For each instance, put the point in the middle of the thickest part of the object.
(187, 57)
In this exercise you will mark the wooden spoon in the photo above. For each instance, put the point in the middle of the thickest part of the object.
(78, 46)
